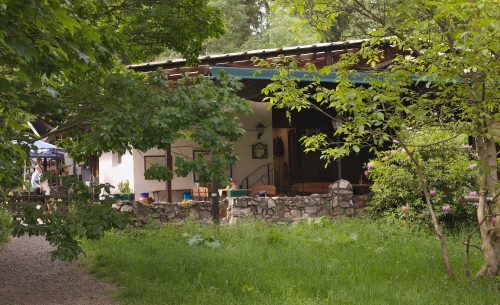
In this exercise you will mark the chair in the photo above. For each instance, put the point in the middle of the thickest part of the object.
(200, 193)
(270, 190)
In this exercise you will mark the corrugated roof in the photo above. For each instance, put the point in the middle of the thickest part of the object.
(247, 55)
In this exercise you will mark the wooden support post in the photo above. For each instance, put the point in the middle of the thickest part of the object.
(328, 57)
(168, 161)
(215, 202)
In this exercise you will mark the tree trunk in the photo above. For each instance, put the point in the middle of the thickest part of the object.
(437, 228)
(490, 234)
(215, 202)
(442, 240)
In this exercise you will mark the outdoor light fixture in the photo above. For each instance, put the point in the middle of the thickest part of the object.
(260, 130)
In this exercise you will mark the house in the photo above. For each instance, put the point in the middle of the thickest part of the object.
(270, 151)
(114, 168)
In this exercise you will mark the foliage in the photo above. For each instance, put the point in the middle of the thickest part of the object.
(341, 262)
(63, 61)
(242, 19)
(64, 223)
(150, 27)
(197, 109)
(329, 20)
(158, 172)
(49, 47)
(279, 33)
(5, 220)
(124, 187)
(254, 25)
(447, 168)
(393, 101)
(445, 75)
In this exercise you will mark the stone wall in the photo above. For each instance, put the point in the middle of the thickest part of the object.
(292, 209)
(340, 201)
(275, 209)
(142, 214)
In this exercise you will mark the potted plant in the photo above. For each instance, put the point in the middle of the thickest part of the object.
(126, 193)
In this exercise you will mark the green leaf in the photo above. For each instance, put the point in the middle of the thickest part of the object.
(67, 21)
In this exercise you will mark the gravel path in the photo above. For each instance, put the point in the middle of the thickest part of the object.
(28, 277)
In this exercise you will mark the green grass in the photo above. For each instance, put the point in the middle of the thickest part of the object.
(345, 262)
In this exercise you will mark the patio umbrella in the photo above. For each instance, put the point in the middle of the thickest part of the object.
(44, 145)
(41, 149)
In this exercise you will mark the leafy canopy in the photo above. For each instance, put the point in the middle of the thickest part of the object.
(47, 48)
(445, 75)
(63, 61)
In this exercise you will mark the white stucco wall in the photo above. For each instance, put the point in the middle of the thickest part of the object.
(243, 148)
(111, 172)
(179, 184)
(141, 185)
(184, 148)
(132, 166)
(240, 170)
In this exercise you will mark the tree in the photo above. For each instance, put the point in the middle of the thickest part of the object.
(445, 75)
(46, 46)
(280, 32)
(63, 61)
(242, 19)
(150, 115)
(327, 18)
(258, 24)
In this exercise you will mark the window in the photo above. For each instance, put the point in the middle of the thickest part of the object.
(116, 159)
(200, 154)
(149, 160)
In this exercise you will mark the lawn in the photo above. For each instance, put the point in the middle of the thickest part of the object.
(322, 262)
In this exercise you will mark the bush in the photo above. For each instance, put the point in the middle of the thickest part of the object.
(5, 220)
(124, 187)
(450, 174)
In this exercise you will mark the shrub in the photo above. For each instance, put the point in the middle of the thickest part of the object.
(450, 172)
(124, 187)
(5, 220)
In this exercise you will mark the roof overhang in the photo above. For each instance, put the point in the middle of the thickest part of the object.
(249, 55)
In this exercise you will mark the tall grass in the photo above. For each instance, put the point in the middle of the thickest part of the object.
(344, 262)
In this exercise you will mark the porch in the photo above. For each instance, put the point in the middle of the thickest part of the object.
(270, 152)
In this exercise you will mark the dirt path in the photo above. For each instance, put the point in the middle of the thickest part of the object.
(28, 277)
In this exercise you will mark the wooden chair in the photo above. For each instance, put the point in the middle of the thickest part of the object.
(200, 193)
(269, 189)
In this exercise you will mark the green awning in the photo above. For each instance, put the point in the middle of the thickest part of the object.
(267, 74)
(358, 77)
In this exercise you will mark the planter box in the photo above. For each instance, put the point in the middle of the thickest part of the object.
(237, 193)
(124, 197)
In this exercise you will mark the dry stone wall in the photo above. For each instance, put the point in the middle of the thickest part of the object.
(142, 214)
(339, 202)
(292, 209)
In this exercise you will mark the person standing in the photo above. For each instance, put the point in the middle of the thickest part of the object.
(36, 180)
